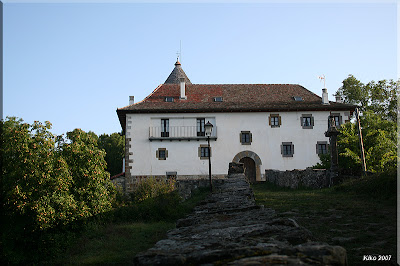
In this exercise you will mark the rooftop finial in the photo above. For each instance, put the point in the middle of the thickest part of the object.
(179, 53)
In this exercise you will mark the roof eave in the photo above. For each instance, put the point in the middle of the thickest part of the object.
(233, 110)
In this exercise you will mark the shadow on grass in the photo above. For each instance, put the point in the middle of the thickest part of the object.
(359, 214)
(115, 236)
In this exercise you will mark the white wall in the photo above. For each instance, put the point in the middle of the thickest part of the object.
(266, 142)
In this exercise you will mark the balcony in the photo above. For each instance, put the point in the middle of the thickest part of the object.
(179, 133)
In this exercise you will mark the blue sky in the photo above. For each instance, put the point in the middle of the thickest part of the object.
(75, 64)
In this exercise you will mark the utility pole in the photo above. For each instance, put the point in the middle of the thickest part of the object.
(363, 165)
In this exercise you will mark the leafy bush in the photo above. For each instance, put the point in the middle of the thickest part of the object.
(47, 182)
(151, 188)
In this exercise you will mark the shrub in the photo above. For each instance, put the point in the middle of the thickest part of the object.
(46, 183)
(151, 188)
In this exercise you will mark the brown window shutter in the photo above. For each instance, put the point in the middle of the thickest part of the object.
(166, 153)
(316, 148)
(269, 120)
(312, 121)
(209, 152)
(199, 152)
(157, 154)
(292, 148)
(280, 120)
(281, 148)
(251, 137)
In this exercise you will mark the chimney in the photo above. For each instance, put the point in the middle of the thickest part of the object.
(338, 99)
(131, 100)
(325, 96)
(183, 93)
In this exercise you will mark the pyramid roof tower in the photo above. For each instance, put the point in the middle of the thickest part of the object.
(176, 74)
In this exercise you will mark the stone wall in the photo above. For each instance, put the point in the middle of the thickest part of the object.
(235, 168)
(185, 184)
(312, 178)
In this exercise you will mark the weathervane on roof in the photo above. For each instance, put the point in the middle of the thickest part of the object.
(322, 78)
(179, 53)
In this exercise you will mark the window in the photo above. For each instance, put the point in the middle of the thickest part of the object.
(307, 121)
(162, 154)
(338, 120)
(164, 127)
(246, 138)
(287, 149)
(322, 147)
(204, 152)
(297, 98)
(217, 99)
(169, 99)
(275, 120)
(200, 127)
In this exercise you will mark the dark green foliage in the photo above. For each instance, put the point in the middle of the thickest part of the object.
(91, 188)
(151, 188)
(378, 97)
(47, 183)
(377, 102)
(114, 146)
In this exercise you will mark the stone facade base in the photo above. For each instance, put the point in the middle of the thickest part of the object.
(184, 183)
(311, 178)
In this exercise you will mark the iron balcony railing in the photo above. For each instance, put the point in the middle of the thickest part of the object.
(179, 132)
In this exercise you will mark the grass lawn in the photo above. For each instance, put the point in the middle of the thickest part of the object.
(358, 215)
(115, 243)
(136, 228)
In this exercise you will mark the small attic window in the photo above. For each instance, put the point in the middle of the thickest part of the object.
(217, 99)
(298, 98)
(169, 99)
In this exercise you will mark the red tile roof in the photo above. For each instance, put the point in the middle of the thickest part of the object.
(236, 98)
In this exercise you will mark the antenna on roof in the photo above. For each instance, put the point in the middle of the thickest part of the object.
(322, 78)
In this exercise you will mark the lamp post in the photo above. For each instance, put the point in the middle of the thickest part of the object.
(208, 128)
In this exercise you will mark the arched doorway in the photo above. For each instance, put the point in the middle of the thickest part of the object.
(249, 169)
(254, 159)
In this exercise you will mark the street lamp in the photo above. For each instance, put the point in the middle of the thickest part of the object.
(208, 128)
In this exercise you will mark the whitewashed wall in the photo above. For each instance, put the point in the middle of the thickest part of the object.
(266, 142)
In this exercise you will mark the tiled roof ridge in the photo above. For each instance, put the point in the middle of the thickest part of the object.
(148, 96)
(151, 94)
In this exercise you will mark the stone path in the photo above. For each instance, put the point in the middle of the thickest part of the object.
(228, 228)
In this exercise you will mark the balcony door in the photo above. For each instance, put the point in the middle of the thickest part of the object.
(164, 127)
(200, 127)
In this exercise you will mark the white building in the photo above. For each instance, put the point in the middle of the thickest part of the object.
(264, 126)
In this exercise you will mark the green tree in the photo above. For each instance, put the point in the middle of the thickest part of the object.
(46, 181)
(377, 102)
(114, 145)
(378, 97)
(92, 188)
(35, 180)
